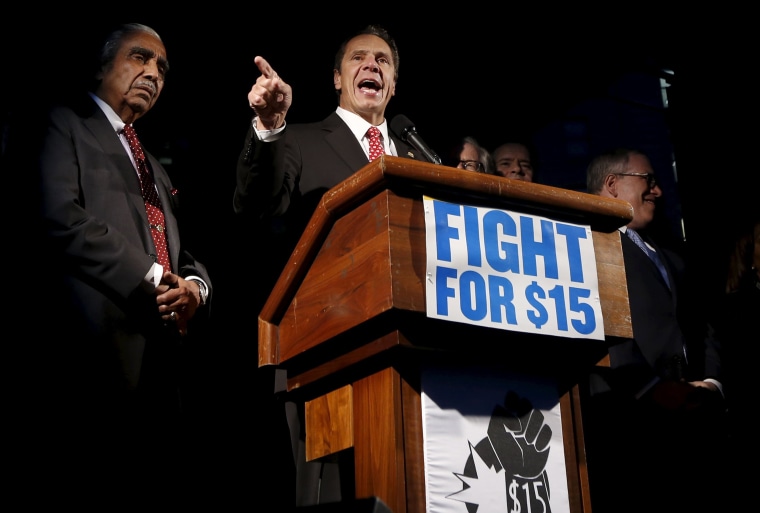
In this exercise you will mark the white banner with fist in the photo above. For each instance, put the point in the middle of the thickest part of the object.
(492, 442)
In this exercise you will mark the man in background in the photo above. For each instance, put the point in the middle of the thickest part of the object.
(470, 155)
(654, 423)
(513, 160)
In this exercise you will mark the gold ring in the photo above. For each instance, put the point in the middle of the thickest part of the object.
(173, 316)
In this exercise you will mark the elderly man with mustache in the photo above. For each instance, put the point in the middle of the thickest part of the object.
(120, 293)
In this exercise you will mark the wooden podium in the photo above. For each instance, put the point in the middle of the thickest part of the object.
(347, 319)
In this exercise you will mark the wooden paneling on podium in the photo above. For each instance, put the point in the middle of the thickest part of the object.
(347, 319)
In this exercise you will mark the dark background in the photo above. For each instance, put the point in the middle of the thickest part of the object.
(495, 72)
(573, 81)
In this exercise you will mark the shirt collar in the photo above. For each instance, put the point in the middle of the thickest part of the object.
(113, 118)
(359, 125)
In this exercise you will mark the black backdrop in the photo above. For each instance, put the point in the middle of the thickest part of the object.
(482, 69)
(488, 71)
(485, 71)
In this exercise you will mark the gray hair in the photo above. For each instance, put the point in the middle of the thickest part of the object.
(484, 156)
(605, 164)
(113, 41)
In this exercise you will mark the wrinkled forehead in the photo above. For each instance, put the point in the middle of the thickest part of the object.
(638, 163)
(368, 44)
(469, 152)
(145, 41)
(513, 151)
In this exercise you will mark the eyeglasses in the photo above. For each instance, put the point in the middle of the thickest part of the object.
(649, 177)
(471, 165)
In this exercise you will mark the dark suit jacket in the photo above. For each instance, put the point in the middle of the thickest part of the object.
(636, 427)
(280, 183)
(106, 346)
(274, 179)
(663, 323)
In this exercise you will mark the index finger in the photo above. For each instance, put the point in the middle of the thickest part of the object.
(264, 67)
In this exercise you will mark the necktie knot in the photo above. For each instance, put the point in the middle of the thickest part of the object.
(375, 143)
(134, 143)
(635, 237)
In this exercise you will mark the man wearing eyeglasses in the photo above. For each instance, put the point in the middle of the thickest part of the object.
(470, 155)
(648, 412)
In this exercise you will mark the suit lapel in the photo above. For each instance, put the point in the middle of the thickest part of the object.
(404, 150)
(644, 263)
(103, 132)
(668, 268)
(97, 123)
(343, 143)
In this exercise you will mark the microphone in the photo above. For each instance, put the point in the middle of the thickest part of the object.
(406, 131)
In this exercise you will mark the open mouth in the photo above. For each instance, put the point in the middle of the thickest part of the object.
(369, 86)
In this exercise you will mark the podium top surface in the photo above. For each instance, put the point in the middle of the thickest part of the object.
(602, 214)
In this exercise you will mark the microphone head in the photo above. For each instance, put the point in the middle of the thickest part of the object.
(401, 126)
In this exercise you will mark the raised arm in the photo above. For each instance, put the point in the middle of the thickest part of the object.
(270, 97)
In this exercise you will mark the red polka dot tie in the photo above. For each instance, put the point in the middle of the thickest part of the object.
(152, 201)
(375, 143)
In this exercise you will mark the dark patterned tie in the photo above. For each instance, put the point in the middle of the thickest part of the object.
(653, 256)
(375, 143)
(152, 201)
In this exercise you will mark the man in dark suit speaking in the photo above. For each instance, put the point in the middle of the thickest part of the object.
(284, 169)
